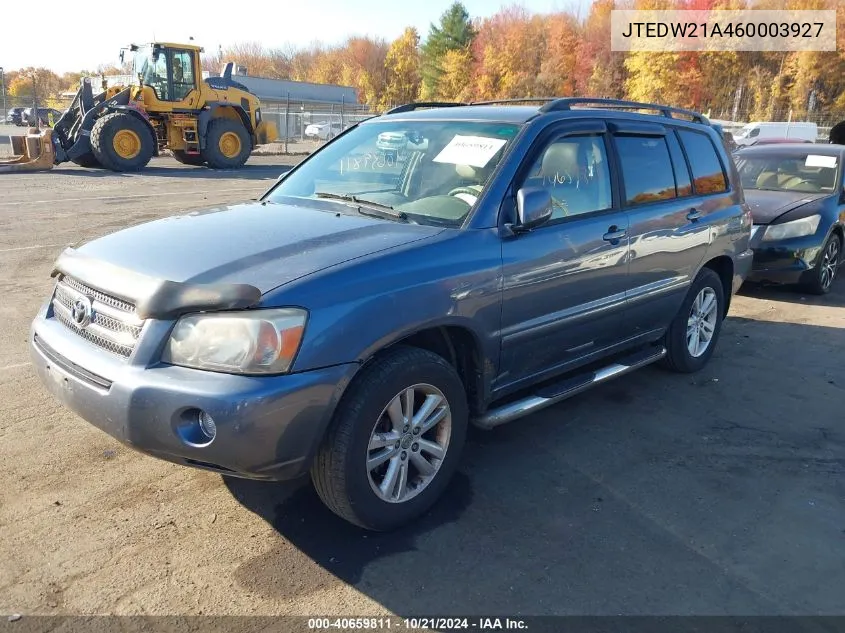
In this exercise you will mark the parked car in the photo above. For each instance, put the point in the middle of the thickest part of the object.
(324, 131)
(353, 321)
(13, 116)
(45, 116)
(796, 197)
(759, 130)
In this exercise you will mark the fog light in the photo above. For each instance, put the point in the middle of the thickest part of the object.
(195, 427)
(207, 425)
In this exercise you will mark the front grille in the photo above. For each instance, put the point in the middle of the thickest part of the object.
(113, 326)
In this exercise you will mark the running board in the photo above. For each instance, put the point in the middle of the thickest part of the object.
(560, 391)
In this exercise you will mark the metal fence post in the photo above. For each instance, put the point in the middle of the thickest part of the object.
(287, 118)
(342, 99)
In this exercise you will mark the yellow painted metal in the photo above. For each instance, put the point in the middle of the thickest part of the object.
(230, 144)
(127, 144)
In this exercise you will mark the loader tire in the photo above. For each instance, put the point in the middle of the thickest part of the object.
(227, 144)
(87, 160)
(188, 159)
(122, 142)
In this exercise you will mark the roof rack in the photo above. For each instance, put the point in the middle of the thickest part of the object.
(506, 101)
(565, 104)
(410, 107)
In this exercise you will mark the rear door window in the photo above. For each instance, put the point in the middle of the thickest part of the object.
(707, 171)
(647, 173)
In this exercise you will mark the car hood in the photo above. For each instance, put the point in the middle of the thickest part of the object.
(265, 246)
(768, 206)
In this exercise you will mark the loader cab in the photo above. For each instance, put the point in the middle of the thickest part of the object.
(171, 71)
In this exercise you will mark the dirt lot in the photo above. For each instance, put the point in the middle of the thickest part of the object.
(717, 493)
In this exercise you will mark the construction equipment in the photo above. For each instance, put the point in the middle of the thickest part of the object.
(31, 152)
(215, 122)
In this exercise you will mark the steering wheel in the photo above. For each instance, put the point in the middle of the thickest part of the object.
(467, 190)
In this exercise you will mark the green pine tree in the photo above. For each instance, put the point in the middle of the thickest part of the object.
(455, 32)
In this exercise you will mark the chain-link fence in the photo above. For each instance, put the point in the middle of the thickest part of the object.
(303, 127)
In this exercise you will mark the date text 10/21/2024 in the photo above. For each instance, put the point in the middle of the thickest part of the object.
(419, 624)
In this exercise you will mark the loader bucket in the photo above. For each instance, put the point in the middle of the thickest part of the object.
(266, 132)
(33, 152)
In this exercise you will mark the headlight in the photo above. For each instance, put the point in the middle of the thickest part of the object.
(249, 342)
(796, 228)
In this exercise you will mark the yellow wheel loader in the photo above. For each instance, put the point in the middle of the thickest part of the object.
(216, 122)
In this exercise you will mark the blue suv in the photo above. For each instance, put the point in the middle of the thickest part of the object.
(352, 322)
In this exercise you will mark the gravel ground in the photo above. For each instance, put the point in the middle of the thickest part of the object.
(718, 493)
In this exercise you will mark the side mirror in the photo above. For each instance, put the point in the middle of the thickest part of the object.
(533, 208)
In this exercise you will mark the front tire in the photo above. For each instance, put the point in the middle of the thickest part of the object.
(227, 144)
(825, 271)
(87, 160)
(694, 332)
(395, 441)
(122, 142)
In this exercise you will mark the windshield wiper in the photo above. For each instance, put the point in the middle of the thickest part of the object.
(366, 207)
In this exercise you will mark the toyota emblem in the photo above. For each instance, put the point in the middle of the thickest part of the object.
(81, 312)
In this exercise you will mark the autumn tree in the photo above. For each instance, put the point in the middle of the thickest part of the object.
(455, 33)
(599, 72)
(402, 66)
(455, 83)
(558, 68)
(46, 83)
(509, 50)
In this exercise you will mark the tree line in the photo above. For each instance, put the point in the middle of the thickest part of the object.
(515, 53)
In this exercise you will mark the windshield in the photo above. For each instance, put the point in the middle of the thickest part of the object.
(810, 173)
(151, 68)
(430, 172)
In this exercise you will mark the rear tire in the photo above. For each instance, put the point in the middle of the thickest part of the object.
(227, 144)
(122, 142)
(368, 428)
(825, 271)
(188, 159)
(699, 317)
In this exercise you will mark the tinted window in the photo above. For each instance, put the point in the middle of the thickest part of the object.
(707, 172)
(574, 171)
(682, 179)
(646, 169)
(754, 132)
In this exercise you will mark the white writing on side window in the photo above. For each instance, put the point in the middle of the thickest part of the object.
(470, 150)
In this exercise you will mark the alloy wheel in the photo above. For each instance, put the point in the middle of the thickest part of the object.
(829, 264)
(408, 443)
(701, 324)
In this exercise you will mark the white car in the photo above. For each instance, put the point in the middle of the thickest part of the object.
(394, 143)
(324, 131)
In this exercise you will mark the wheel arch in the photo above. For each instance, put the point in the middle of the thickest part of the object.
(723, 266)
(138, 114)
(215, 110)
(460, 347)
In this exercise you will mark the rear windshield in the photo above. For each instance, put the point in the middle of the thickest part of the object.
(806, 172)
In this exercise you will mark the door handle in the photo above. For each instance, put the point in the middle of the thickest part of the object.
(694, 215)
(614, 234)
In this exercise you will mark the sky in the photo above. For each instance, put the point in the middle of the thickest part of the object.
(99, 35)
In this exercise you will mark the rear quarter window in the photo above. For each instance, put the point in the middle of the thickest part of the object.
(708, 174)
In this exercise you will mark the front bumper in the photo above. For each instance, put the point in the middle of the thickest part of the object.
(267, 427)
(787, 261)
